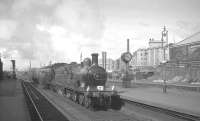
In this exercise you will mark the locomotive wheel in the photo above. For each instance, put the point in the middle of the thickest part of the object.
(74, 97)
(68, 95)
(87, 102)
(80, 99)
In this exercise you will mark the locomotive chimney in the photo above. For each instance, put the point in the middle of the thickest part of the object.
(95, 58)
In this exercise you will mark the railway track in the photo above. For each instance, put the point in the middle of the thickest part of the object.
(127, 113)
(42, 110)
(173, 113)
(39, 107)
(80, 113)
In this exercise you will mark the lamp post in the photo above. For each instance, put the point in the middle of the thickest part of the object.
(164, 76)
(164, 36)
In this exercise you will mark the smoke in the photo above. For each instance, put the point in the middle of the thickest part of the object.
(49, 29)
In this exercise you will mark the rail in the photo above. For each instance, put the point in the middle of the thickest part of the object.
(180, 115)
(40, 108)
(36, 116)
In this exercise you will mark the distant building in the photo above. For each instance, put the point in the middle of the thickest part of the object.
(184, 59)
(157, 55)
(109, 64)
(150, 56)
(156, 43)
(139, 58)
(117, 64)
(157, 52)
(187, 49)
(133, 61)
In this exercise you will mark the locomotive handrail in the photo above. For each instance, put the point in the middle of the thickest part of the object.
(98, 91)
(89, 90)
(38, 113)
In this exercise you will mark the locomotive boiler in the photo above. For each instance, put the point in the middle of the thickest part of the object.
(83, 83)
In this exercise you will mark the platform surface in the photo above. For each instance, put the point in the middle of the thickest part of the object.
(174, 99)
(12, 101)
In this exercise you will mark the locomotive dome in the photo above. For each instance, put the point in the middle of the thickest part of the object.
(87, 62)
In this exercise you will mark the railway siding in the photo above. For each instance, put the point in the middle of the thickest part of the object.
(166, 110)
(159, 107)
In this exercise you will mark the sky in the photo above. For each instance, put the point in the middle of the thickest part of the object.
(40, 31)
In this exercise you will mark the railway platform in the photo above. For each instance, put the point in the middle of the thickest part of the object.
(12, 101)
(174, 99)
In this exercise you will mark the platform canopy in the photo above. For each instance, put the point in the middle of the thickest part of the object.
(195, 38)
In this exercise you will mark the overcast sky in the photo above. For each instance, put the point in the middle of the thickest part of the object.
(59, 30)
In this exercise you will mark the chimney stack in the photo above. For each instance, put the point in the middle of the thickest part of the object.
(104, 60)
(127, 45)
(95, 58)
(13, 65)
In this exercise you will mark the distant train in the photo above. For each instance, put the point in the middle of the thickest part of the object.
(83, 83)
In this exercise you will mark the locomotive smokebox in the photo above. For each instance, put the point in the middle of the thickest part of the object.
(95, 58)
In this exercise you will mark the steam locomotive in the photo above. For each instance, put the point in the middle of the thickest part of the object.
(83, 83)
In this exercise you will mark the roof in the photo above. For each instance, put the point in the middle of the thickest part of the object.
(141, 49)
(157, 41)
(189, 40)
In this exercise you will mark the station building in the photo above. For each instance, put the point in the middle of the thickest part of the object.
(184, 61)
